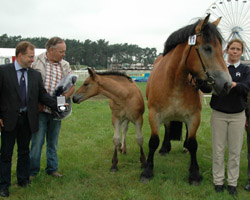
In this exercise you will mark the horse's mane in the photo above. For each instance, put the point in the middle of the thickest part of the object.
(209, 34)
(115, 73)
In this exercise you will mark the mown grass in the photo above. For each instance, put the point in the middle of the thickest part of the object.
(85, 151)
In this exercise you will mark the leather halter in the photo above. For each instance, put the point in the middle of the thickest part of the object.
(199, 82)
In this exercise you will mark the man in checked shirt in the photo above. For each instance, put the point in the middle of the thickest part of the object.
(53, 68)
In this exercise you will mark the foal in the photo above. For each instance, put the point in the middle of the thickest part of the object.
(126, 103)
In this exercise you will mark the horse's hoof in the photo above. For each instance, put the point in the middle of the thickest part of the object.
(113, 169)
(145, 180)
(185, 150)
(147, 175)
(163, 152)
(124, 152)
(196, 181)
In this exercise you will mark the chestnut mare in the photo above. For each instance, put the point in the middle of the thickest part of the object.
(193, 52)
(126, 103)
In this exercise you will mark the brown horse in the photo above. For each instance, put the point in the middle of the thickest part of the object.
(193, 52)
(126, 103)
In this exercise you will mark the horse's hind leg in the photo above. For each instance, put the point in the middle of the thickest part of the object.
(173, 131)
(185, 149)
(139, 139)
(166, 145)
(123, 148)
(117, 143)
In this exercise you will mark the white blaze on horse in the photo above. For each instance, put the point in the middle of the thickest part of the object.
(126, 103)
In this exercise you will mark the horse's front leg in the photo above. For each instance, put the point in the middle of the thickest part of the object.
(154, 141)
(195, 177)
(139, 139)
(117, 143)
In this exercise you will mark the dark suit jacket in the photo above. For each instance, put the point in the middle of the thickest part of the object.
(10, 97)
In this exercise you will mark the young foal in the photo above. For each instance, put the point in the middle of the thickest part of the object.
(126, 103)
(193, 51)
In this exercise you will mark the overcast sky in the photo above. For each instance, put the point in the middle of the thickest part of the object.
(146, 23)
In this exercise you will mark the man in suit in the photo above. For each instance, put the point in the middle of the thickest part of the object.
(21, 88)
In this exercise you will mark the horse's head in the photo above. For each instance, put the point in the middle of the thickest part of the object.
(88, 89)
(205, 57)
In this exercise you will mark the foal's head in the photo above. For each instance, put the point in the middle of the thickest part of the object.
(88, 89)
(91, 86)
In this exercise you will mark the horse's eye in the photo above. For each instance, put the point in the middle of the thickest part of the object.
(85, 84)
(207, 49)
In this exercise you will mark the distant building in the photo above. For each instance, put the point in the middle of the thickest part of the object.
(7, 55)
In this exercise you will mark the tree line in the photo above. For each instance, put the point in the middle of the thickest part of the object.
(99, 54)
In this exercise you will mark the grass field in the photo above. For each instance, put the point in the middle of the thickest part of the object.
(85, 151)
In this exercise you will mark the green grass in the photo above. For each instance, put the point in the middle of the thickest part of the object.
(85, 151)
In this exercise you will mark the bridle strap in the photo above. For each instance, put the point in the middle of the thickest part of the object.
(188, 54)
(210, 79)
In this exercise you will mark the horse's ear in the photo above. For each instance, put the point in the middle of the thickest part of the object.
(202, 24)
(92, 73)
(217, 21)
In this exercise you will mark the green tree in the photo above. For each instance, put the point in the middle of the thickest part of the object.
(97, 54)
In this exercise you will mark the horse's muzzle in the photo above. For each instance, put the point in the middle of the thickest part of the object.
(222, 91)
(223, 83)
(77, 98)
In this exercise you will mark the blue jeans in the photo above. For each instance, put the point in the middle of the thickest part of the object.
(49, 128)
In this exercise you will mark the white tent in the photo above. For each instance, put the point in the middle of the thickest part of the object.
(7, 55)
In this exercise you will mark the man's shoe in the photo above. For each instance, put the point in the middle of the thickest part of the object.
(56, 174)
(232, 190)
(4, 193)
(219, 188)
(247, 187)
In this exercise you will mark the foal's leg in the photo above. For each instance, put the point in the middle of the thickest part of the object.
(195, 177)
(123, 148)
(117, 143)
(139, 139)
(154, 141)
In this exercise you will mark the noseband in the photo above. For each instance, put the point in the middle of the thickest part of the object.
(198, 82)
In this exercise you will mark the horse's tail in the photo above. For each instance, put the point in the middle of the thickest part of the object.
(175, 130)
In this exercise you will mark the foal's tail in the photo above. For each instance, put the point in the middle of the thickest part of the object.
(175, 130)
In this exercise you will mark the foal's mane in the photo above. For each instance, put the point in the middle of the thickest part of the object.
(115, 73)
(209, 34)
